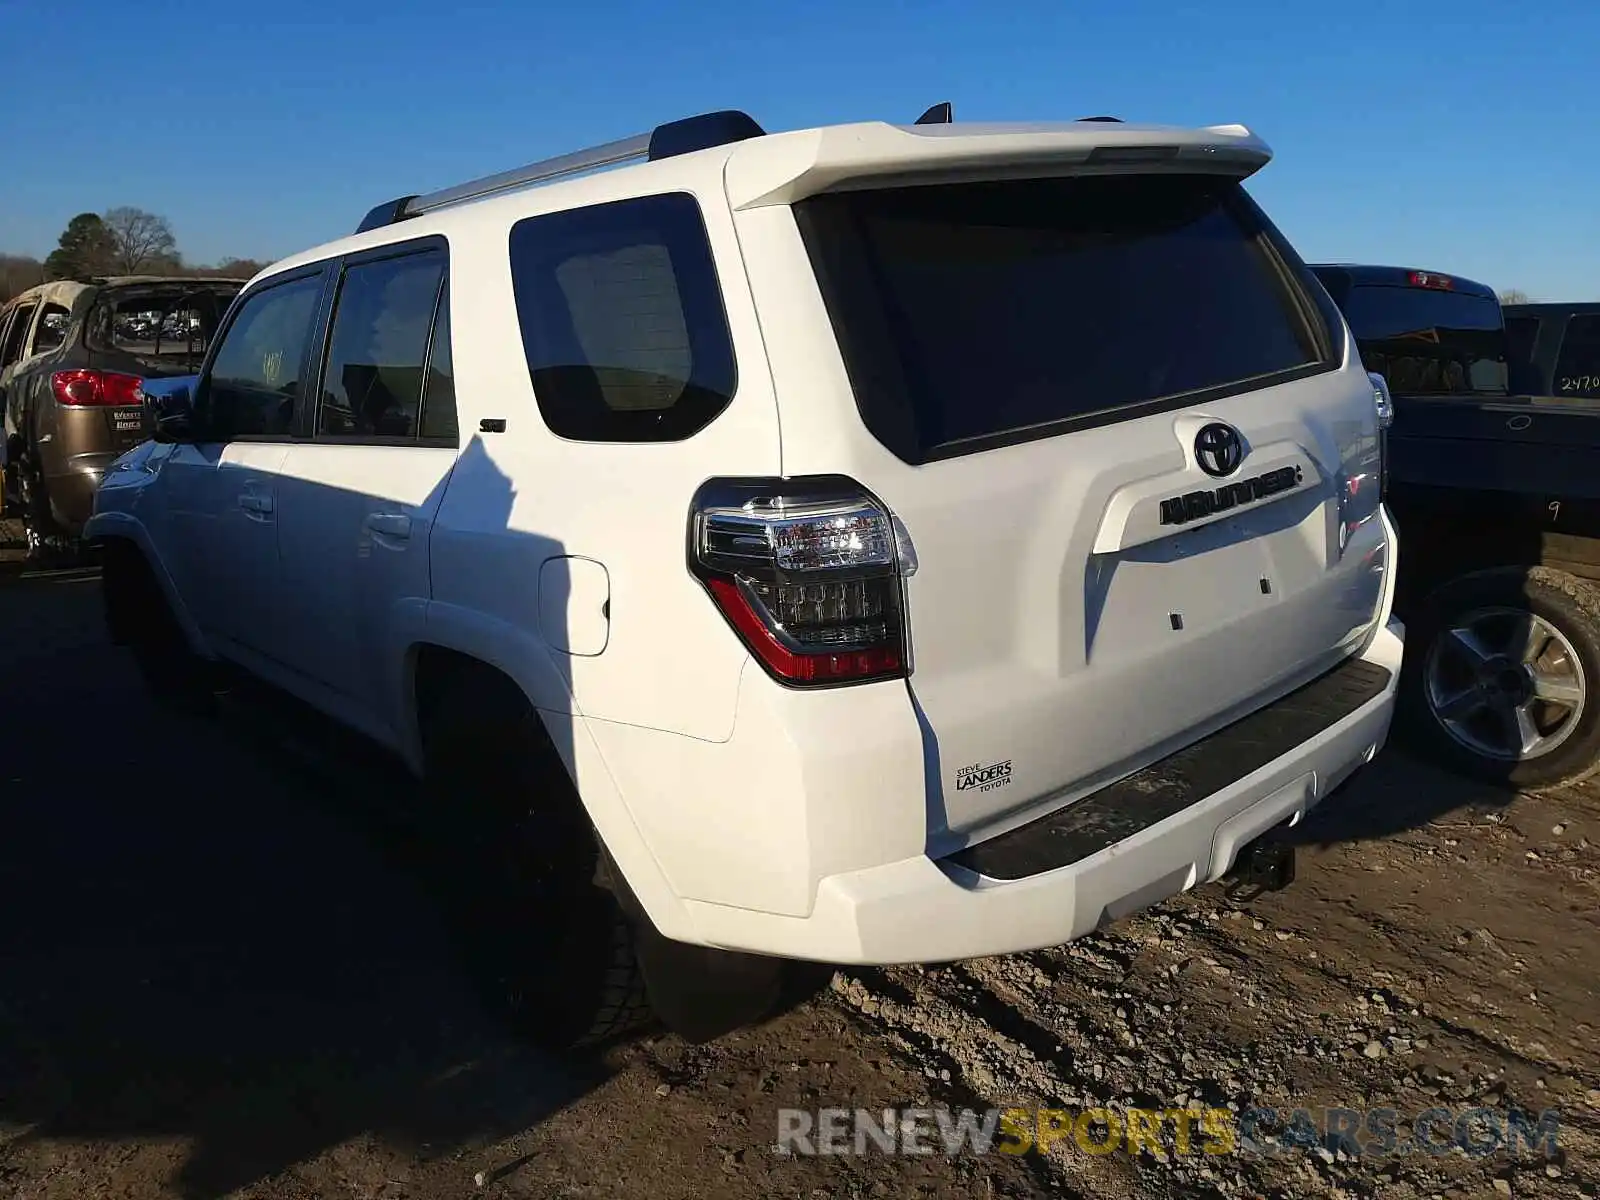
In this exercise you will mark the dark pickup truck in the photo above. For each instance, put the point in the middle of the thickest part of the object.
(1495, 492)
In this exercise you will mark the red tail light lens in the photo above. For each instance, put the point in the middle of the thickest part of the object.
(1430, 279)
(82, 389)
(808, 573)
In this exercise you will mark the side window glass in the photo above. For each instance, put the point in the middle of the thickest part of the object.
(373, 382)
(14, 336)
(1578, 365)
(622, 320)
(52, 330)
(255, 377)
(439, 393)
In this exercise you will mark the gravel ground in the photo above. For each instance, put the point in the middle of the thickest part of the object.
(221, 976)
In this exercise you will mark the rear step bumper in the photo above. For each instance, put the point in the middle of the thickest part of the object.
(1114, 852)
(1163, 789)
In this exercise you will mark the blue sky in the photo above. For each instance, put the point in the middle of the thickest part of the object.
(1458, 136)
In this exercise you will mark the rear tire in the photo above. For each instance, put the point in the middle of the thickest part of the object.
(551, 947)
(1501, 680)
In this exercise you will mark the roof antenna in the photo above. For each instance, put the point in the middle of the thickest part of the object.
(939, 114)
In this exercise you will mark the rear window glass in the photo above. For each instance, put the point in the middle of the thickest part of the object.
(167, 328)
(980, 313)
(1578, 366)
(1425, 340)
(622, 320)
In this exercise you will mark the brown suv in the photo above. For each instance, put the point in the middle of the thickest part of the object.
(72, 359)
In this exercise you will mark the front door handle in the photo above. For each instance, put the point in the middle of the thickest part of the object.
(255, 502)
(395, 525)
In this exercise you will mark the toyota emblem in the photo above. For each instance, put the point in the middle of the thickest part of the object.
(1218, 449)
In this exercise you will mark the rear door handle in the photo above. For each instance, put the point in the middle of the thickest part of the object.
(395, 525)
(255, 502)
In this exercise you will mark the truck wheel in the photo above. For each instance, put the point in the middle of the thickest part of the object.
(1502, 676)
(551, 946)
(138, 617)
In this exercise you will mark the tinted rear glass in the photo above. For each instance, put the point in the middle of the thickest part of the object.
(622, 320)
(1424, 340)
(996, 310)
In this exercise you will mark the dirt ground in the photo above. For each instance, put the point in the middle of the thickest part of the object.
(218, 977)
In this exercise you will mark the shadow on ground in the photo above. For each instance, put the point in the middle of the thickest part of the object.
(1396, 793)
(228, 933)
(199, 944)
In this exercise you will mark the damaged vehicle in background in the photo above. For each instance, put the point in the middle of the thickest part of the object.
(73, 357)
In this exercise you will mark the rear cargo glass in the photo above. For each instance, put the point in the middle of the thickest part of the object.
(163, 329)
(1425, 340)
(972, 315)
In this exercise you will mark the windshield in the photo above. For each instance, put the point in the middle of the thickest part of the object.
(166, 327)
(975, 313)
(1424, 340)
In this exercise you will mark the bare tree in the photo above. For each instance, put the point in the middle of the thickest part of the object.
(239, 268)
(18, 272)
(1513, 296)
(143, 239)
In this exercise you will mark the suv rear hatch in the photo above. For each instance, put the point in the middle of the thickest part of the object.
(152, 330)
(1039, 355)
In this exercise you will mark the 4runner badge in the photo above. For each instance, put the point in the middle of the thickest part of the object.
(1191, 506)
(984, 778)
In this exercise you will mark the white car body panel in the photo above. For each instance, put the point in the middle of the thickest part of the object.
(353, 532)
(749, 815)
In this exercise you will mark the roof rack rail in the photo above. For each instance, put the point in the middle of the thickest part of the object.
(1116, 120)
(664, 141)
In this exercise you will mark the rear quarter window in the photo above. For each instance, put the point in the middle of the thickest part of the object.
(52, 328)
(970, 315)
(622, 320)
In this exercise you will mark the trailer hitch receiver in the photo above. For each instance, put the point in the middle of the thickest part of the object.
(1263, 865)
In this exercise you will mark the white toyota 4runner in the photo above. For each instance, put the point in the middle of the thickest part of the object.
(867, 544)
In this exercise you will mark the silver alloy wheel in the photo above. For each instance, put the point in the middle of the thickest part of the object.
(1505, 683)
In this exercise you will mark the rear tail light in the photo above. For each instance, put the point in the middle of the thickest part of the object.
(1430, 279)
(808, 572)
(80, 389)
(1383, 402)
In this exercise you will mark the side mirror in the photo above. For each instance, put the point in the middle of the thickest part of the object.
(169, 408)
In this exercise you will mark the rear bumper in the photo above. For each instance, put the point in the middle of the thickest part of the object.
(922, 910)
(72, 488)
